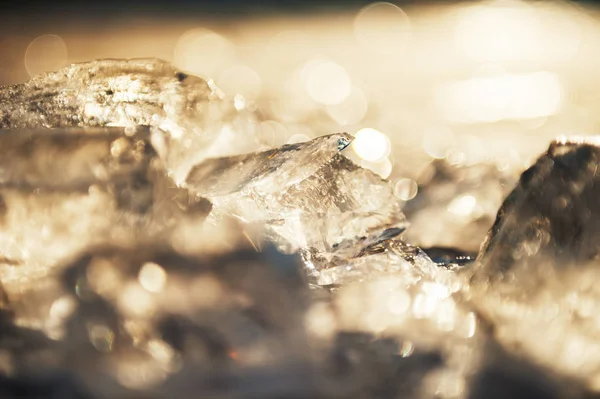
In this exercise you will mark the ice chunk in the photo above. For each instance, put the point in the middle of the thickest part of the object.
(553, 212)
(308, 194)
(535, 277)
(195, 119)
(64, 189)
(104, 92)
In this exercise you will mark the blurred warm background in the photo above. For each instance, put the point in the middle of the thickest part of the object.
(448, 100)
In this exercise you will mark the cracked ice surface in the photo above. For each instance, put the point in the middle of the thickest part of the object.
(193, 119)
(308, 194)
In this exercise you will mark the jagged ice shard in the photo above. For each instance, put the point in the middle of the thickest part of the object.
(192, 119)
(308, 195)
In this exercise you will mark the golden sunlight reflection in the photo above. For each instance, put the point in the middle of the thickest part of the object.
(498, 31)
(296, 101)
(513, 30)
(152, 277)
(136, 301)
(424, 306)
(351, 110)
(502, 97)
(383, 168)
(327, 82)
(203, 52)
(470, 325)
(240, 79)
(444, 383)
(104, 277)
(371, 145)
(406, 189)
(45, 53)
(134, 370)
(161, 351)
(101, 337)
(320, 321)
(406, 349)
(61, 309)
(436, 290)
(438, 141)
(271, 133)
(382, 28)
(463, 205)
(399, 302)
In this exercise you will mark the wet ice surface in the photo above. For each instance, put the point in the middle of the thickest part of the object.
(149, 261)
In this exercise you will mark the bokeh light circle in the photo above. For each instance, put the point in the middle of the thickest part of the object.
(328, 83)
(371, 145)
(382, 28)
(44, 54)
(203, 52)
